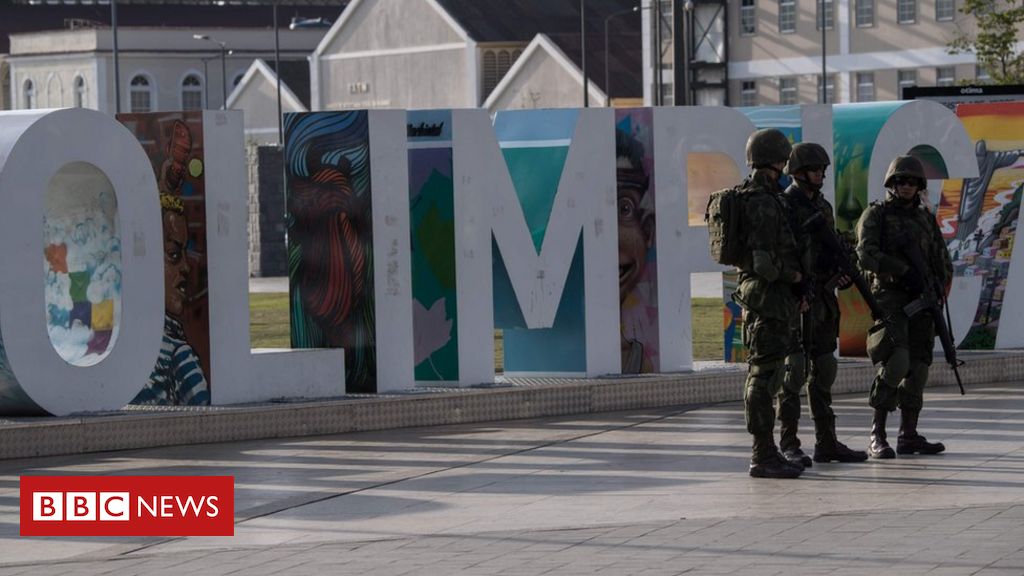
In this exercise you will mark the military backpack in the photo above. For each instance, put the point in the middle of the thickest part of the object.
(724, 217)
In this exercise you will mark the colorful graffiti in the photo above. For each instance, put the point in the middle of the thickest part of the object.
(638, 257)
(432, 218)
(978, 216)
(82, 255)
(330, 264)
(174, 144)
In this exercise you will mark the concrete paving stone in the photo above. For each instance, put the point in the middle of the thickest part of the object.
(953, 571)
(643, 492)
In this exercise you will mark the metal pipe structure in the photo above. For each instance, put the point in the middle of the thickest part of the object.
(583, 52)
(117, 63)
(277, 70)
(824, 75)
(223, 66)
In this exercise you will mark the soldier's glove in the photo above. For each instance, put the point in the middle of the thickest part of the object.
(913, 282)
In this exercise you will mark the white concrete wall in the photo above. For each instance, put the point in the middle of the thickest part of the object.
(388, 24)
(54, 81)
(165, 55)
(395, 54)
(542, 82)
(417, 80)
(258, 103)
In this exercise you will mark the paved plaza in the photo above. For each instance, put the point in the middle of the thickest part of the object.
(643, 492)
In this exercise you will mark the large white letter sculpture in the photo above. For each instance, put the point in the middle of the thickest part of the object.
(239, 375)
(34, 147)
(486, 203)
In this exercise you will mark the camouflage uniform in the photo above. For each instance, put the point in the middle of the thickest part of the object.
(812, 359)
(768, 270)
(903, 348)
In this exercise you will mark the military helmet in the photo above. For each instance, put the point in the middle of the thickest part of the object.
(767, 147)
(806, 155)
(906, 166)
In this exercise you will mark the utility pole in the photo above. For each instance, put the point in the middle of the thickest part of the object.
(583, 52)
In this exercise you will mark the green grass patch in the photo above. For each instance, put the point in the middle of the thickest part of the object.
(270, 327)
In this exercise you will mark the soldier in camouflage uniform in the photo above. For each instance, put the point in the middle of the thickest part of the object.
(813, 360)
(768, 271)
(903, 348)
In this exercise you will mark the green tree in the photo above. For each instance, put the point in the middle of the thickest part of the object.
(995, 39)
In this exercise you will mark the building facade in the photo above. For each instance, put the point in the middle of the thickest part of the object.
(159, 68)
(456, 53)
(768, 52)
(873, 48)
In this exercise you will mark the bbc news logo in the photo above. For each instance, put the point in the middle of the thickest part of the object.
(127, 505)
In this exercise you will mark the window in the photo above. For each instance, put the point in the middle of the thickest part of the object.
(140, 94)
(490, 74)
(906, 11)
(29, 94)
(865, 87)
(237, 79)
(748, 93)
(79, 92)
(981, 75)
(830, 89)
(191, 93)
(865, 13)
(945, 10)
(787, 90)
(748, 17)
(787, 16)
(829, 14)
(905, 79)
(496, 63)
(945, 76)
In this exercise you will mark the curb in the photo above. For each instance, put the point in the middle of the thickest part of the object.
(520, 398)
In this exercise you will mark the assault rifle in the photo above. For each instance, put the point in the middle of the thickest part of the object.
(933, 300)
(817, 227)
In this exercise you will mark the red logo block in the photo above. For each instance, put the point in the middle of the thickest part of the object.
(127, 506)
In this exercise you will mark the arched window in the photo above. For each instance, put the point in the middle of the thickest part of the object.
(79, 92)
(490, 72)
(140, 94)
(503, 62)
(54, 92)
(191, 93)
(29, 94)
(238, 78)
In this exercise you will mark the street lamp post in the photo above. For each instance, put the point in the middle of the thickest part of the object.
(206, 81)
(583, 52)
(607, 76)
(824, 75)
(223, 66)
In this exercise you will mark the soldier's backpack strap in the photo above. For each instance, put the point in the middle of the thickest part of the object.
(884, 225)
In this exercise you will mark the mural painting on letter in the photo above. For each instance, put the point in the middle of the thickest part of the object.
(330, 229)
(174, 144)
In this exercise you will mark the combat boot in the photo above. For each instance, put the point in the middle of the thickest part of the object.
(838, 452)
(879, 447)
(829, 448)
(789, 445)
(766, 462)
(909, 441)
(774, 466)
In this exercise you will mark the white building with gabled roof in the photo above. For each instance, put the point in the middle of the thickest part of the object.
(256, 95)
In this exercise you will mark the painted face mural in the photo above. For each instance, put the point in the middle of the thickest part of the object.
(637, 261)
(174, 144)
(176, 270)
